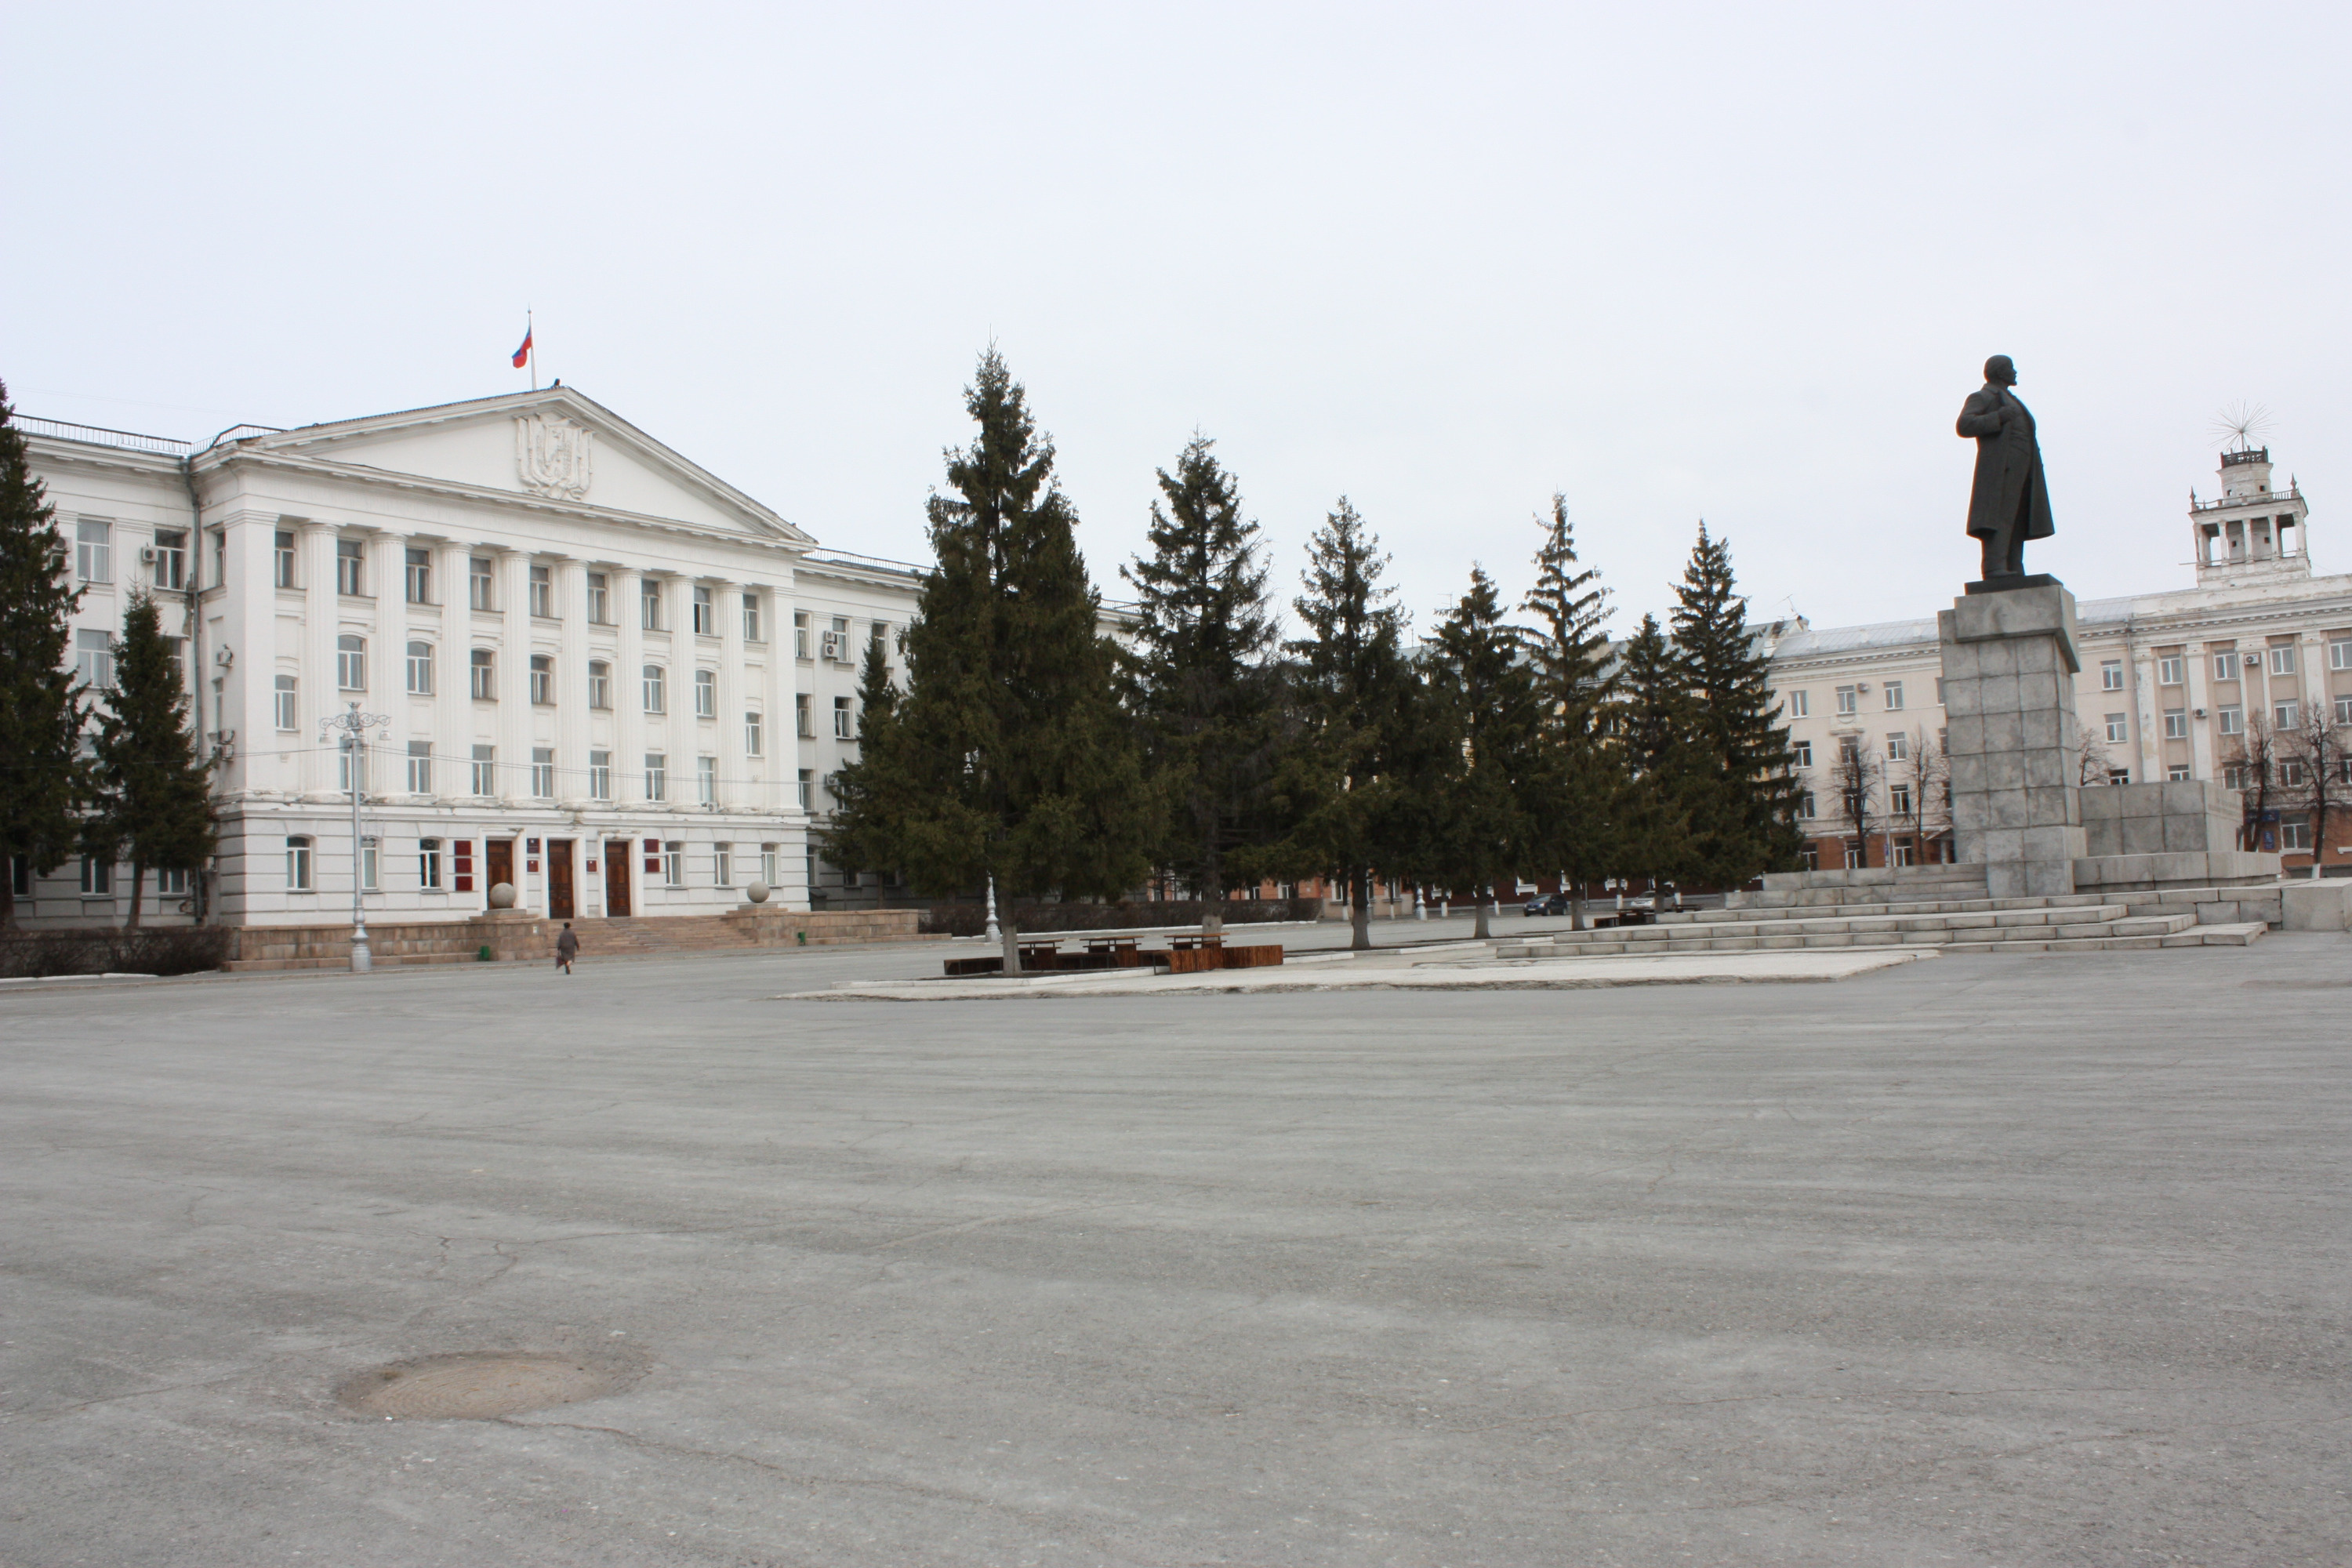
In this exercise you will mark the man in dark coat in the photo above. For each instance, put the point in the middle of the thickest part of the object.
(2010, 502)
(567, 947)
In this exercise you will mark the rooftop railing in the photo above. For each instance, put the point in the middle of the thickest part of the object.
(100, 436)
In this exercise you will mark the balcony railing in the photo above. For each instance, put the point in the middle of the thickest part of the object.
(100, 436)
(2287, 496)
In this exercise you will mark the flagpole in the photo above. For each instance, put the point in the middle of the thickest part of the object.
(530, 336)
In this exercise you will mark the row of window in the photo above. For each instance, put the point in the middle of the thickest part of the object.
(481, 775)
(447, 865)
(2172, 670)
(351, 674)
(98, 879)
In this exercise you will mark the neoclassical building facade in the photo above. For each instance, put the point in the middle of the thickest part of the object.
(595, 670)
(2175, 685)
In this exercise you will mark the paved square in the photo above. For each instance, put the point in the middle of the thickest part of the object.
(1982, 1261)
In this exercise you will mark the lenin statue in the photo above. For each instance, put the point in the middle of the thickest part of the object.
(2009, 503)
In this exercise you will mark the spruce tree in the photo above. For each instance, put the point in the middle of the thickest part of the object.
(154, 795)
(1486, 695)
(1655, 727)
(1204, 685)
(1745, 814)
(1576, 779)
(42, 777)
(1354, 691)
(1008, 757)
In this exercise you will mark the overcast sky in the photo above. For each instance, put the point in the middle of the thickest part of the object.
(1735, 262)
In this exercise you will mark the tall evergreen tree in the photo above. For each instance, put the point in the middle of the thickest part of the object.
(1745, 817)
(1008, 757)
(1663, 769)
(1354, 686)
(1205, 685)
(42, 777)
(1575, 776)
(154, 795)
(1486, 695)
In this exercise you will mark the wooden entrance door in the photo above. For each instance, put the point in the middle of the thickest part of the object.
(497, 862)
(616, 876)
(559, 879)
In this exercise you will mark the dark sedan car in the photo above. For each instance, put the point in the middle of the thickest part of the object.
(1555, 904)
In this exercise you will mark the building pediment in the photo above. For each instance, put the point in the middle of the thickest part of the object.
(555, 446)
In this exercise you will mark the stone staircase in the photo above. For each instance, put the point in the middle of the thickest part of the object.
(622, 934)
(1943, 907)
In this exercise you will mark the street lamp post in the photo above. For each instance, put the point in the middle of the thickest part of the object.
(353, 726)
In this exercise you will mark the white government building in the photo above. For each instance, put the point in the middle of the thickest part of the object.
(605, 676)
(2168, 686)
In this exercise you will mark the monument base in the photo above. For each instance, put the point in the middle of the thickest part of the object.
(2010, 659)
(2008, 584)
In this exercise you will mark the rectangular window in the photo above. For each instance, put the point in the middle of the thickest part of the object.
(2286, 715)
(2234, 776)
(2172, 670)
(1806, 806)
(1898, 799)
(656, 776)
(542, 773)
(1802, 752)
(288, 718)
(428, 864)
(461, 865)
(705, 622)
(1853, 856)
(420, 770)
(2295, 833)
(2290, 773)
(94, 659)
(171, 558)
(482, 665)
(600, 600)
(171, 880)
(2225, 666)
(2111, 674)
(803, 724)
(298, 865)
(420, 669)
(1800, 704)
(368, 848)
(2233, 720)
(2340, 653)
(1809, 858)
(2118, 727)
(542, 678)
(486, 771)
(649, 604)
(2282, 659)
(477, 583)
(600, 684)
(706, 694)
(2178, 772)
(750, 617)
(672, 863)
(351, 663)
(351, 567)
(600, 775)
(220, 557)
(653, 683)
(807, 790)
(1848, 700)
(283, 552)
(768, 863)
(1893, 691)
(750, 734)
(420, 576)
(344, 772)
(542, 592)
(1898, 747)
(706, 780)
(2176, 723)
(800, 634)
(1907, 852)
(840, 729)
(2344, 711)
(1849, 749)
(97, 877)
(94, 550)
(722, 865)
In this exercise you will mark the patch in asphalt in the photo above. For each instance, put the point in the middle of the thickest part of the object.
(481, 1387)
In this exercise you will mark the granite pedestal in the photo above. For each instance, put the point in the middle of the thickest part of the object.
(2009, 659)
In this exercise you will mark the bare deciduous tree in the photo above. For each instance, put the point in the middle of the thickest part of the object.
(2324, 749)
(1854, 776)
(2255, 768)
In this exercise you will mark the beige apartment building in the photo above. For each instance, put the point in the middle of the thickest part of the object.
(2226, 679)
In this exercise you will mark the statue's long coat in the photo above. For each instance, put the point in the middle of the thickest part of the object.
(2008, 464)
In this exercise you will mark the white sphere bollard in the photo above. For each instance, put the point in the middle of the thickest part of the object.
(502, 897)
(756, 890)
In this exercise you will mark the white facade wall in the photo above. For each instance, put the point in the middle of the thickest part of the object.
(457, 484)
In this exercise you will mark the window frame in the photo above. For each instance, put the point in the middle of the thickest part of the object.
(481, 584)
(843, 720)
(300, 863)
(420, 767)
(485, 772)
(284, 556)
(600, 685)
(93, 550)
(542, 773)
(1891, 692)
(702, 611)
(542, 679)
(1799, 703)
(600, 775)
(599, 596)
(94, 657)
(429, 864)
(706, 780)
(652, 693)
(2176, 723)
(539, 589)
(706, 694)
(751, 617)
(2281, 659)
(2118, 729)
(350, 662)
(171, 573)
(285, 703)
(350, 568)
(657, 777)
(2172, 670)
(752, 729)
(416, 575)
(419, 659)
(482, 674)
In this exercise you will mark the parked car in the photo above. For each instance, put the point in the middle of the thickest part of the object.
(1554, 904)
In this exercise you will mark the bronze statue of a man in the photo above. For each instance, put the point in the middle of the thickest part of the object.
(2010, 501)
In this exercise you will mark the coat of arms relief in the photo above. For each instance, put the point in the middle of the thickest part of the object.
(551, 453)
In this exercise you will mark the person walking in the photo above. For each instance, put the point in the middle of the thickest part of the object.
(567, 947)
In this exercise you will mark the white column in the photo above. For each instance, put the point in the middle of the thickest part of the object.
(734, 768)
(2148, 724)
(453, 708)
(2201, 762)
(775, 719)
(678, 612)
(571, 590)
(388, 554)
(321, 622)
(512, 569)
(629, 727)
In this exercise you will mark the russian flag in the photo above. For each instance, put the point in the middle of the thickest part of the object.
(522, 353)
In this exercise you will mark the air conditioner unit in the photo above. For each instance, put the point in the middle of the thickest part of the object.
(147, 555)
(831, 646)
